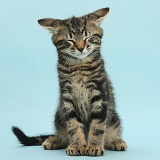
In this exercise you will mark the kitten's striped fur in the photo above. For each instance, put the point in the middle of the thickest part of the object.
(86, 121)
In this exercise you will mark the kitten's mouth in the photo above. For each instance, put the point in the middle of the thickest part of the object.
(81, 55)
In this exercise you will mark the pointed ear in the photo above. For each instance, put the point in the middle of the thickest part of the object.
(50, 24)
(98, 16)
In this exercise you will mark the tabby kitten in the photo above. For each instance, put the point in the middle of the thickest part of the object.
(86, 121)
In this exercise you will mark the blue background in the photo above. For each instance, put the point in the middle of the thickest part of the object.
(28, 77)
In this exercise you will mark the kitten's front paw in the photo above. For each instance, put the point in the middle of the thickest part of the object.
(74, 150)
(94, 150)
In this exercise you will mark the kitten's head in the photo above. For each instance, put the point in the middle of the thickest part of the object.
(77, 36)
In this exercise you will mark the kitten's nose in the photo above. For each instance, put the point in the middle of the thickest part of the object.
(80, 45)
(80, 49)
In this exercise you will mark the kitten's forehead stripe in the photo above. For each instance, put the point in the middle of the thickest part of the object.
(76, 22)
(85, 31)
(77, 25)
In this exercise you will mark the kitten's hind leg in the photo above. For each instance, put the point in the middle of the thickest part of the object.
(117, 145)
(52, 143)
(113, 140)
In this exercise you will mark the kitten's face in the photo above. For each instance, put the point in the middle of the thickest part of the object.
(77, 37)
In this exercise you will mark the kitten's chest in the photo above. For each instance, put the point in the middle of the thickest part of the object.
(81, 95)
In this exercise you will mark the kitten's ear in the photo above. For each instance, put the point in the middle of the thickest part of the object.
(50, 24)
(98, 16)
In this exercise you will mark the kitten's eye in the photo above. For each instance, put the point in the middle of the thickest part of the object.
(62, 44)
(73, 49)
(71, 41)
(94, 40)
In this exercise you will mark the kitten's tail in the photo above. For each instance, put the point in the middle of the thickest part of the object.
(29, 141)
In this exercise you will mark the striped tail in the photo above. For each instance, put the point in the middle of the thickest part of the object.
(29, 141)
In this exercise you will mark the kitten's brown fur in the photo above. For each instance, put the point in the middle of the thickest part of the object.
(86, 121)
